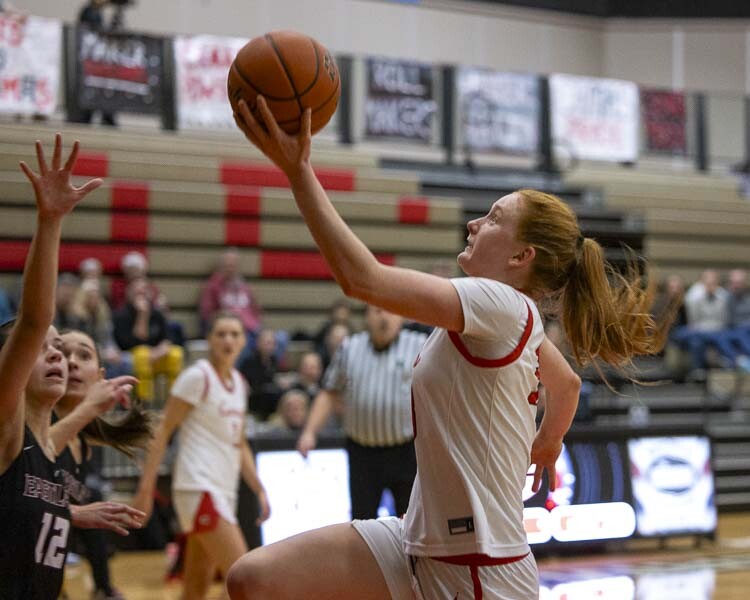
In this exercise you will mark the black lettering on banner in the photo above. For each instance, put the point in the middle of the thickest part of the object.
(399, 101)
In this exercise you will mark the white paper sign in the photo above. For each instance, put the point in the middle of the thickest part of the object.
(203, 63)
(595, 119)
(30, 52)
(499, 111)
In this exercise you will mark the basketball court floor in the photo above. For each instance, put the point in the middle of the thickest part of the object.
(718, 570)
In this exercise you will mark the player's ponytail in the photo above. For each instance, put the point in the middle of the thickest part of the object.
(606, 315)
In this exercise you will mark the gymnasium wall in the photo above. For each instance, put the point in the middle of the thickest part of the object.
(690, 54)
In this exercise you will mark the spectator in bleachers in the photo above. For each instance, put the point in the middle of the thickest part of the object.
(734, 342)
(309, 372)
(141, 328)
(65, 294)
(672, 299)
(134, 266)
(96, 322)
(707, 309)
(260, 369)
(336, 335)
(227, 290)
(90, 268)
(290, 417)
(340, 314)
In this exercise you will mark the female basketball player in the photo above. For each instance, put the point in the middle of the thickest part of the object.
(208, 403)
(474, 394)
(79, 407)
(34, 514)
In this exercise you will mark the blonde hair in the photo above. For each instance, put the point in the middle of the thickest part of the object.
(606, 315)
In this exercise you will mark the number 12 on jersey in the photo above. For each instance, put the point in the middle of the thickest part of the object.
(51, 552)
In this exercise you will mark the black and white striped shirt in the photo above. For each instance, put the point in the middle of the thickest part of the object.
(375, 387)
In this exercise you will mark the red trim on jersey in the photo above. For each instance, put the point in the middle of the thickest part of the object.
(490, 363)
(477, 582)
(204, 395)
(206, 517)
(478, 560)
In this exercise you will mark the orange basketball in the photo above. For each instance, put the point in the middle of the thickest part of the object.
(292, 72)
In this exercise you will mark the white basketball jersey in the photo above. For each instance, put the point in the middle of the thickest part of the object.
(474, 406)
(208, 456)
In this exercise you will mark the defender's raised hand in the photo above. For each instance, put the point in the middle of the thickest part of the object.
(56, 196)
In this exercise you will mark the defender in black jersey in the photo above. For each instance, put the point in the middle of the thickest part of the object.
(34, 525)
(35, 518)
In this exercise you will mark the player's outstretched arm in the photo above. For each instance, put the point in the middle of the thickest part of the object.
(414, 295)
(55, 197)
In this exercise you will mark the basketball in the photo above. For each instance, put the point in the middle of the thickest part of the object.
(292, 71)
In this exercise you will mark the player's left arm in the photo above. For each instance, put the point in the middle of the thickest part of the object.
(563, 387)
(250, 476)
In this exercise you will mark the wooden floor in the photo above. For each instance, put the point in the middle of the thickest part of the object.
(717, 570)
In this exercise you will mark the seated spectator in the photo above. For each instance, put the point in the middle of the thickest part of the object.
(141, 328)
(309, 372)
(135, 266)
(340, 314)
(65, 294)
(95, 320)
(90, 268)
(707, 310)
(260, 369)
(227, 290)
(671, 298)
(334, 337)
(734, 342)
(290, 417)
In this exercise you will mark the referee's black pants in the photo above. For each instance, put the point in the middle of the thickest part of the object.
(374, 468)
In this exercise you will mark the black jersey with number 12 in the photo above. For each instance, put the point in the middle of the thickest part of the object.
(34, 526)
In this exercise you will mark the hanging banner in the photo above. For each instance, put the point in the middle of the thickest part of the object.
(203, 63)
(399, 101)
(30, 51)
(498, 111)
(119, 71)
(664, 119)
(595, 119)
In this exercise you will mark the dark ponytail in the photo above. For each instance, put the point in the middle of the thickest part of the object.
(127, 432)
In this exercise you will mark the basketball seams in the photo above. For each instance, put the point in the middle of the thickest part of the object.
(247, 81)
(317, 69)
(289, 78)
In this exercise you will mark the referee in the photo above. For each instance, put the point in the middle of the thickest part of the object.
(370, 378)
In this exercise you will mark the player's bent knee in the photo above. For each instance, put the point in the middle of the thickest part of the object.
(245, 580)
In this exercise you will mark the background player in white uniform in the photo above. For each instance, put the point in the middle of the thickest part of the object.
(208, 403)
(474, 394)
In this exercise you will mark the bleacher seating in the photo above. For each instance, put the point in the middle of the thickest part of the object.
(692, 221)
(183, 200)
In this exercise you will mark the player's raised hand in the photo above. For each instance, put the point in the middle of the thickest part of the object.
(56, 196)
(288, 152)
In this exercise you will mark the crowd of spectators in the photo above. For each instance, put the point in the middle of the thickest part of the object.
(128, 316)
